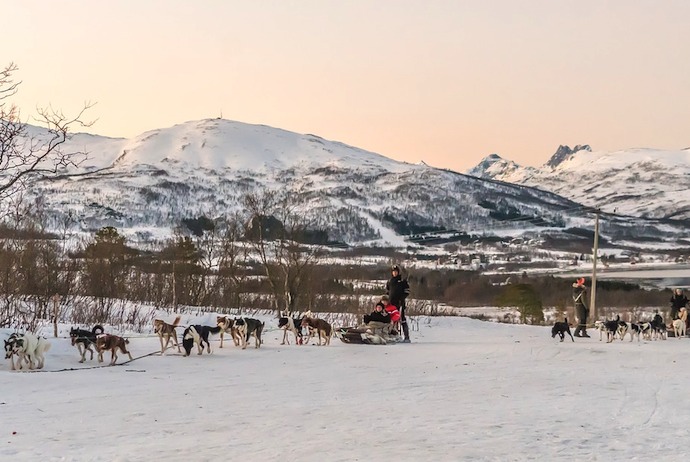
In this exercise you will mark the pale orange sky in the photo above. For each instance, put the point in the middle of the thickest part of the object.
(443, 81)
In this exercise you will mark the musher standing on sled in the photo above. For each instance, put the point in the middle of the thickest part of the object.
(398, 289)
(579, 294)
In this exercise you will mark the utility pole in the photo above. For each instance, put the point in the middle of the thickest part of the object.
(595, 256)
(174, 288)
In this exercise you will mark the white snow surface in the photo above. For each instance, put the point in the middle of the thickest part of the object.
(463, 390)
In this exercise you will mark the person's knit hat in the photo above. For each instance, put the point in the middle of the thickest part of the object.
(581, 282)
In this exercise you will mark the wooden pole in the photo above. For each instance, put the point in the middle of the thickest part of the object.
(56, 311)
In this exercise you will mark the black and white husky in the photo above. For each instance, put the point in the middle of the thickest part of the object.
(198, 334)
(290, 324)
(29, 348)
(84, 339)
(247, 327)
(611, 328)
(635, 329)
(9, 351)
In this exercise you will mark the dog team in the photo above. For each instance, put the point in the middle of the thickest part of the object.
(655, 329)
(241, 330)
(30, 349)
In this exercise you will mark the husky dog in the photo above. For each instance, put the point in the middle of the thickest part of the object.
(658, 327)
(197, 334)
(561, 328)
(290, 324)
(611, 328)
(247, 327)
(29, 348)
(84, 339)
(632, 328)
(646, 330)
(166, 333)
(679, 324)
(113, 343)
(599, 325)
(9, 351)
(322, 327)
(227, 325)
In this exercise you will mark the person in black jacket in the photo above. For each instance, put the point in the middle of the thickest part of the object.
(378, 315)
(678, 301)
(579, 297)
(398, 289)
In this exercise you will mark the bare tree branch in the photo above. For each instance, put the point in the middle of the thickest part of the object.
(7, 86)
(277, 232)
(26, 152)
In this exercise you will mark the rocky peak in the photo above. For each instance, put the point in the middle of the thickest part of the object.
(481, 170)
(564, 152)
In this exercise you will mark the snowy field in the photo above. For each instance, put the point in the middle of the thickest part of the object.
(464, 390)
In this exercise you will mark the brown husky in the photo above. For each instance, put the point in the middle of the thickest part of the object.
(111, 342)
(166, 333)
(228, 325)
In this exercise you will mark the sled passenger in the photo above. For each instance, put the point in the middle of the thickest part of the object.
(378, 321)
(378, 315)
(391, 309)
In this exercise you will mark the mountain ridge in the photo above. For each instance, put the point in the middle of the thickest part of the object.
(643, 182)
(146, 186)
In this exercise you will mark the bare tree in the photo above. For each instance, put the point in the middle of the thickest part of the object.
(106, 269)
(26, 153)
(224, 256)
(182, 257)
(279, 232)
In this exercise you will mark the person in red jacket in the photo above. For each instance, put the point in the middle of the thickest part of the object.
(392, 311)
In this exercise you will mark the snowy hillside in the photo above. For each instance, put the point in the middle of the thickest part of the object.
(649, 183)
(463, 390)
(222, 145)
(147, 185)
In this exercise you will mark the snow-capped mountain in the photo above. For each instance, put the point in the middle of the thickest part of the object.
(496, 167)
(147, 185)
(650, 183)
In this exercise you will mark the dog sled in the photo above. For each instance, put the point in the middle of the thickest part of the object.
(371, 334)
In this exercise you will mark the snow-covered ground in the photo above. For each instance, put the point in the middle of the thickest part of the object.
(463, 390)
